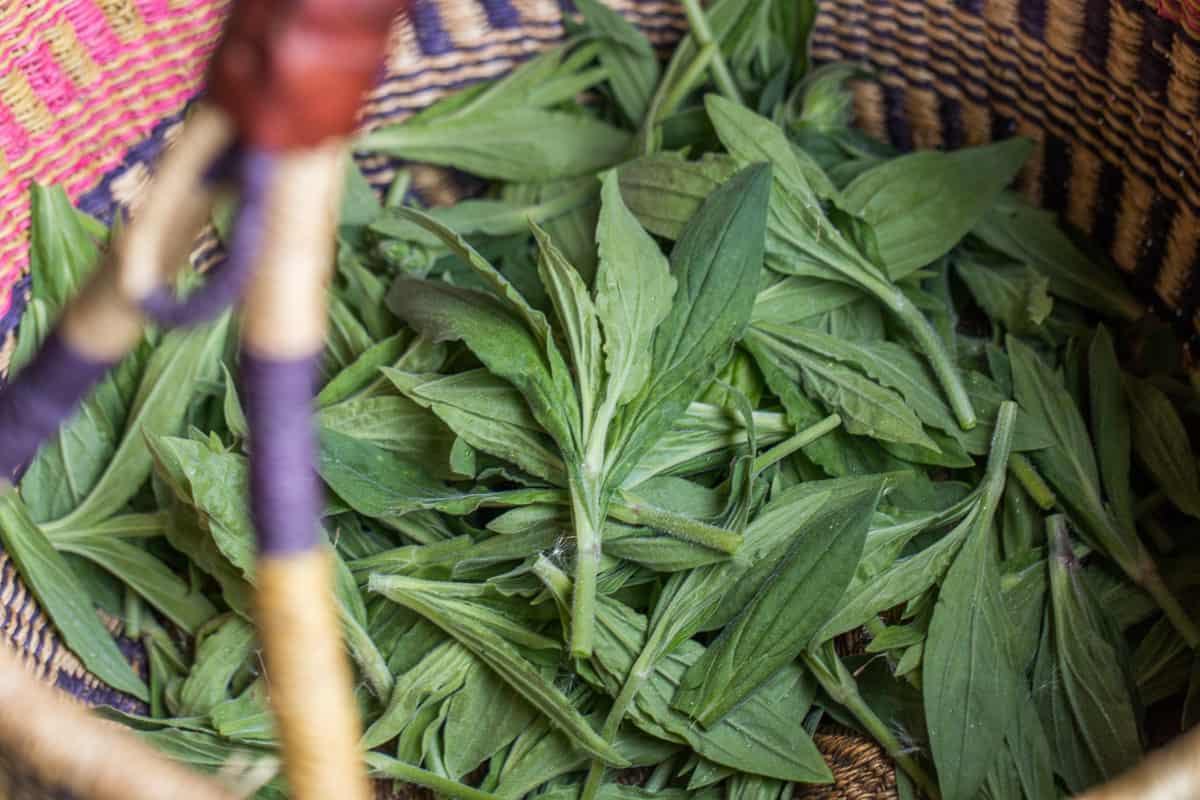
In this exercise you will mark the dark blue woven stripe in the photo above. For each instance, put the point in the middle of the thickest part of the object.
(1154, 246)
(501, 14)
(946, 75)
(13, 316)
(431, 35)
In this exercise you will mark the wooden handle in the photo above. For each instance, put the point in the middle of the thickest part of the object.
(105, 321)
(1170, 773)
(67, 748)
(308, 670)
(310, 678)
(176, 205)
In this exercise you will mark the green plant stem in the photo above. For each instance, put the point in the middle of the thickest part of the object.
(1162, 540)
(801, 440)
(587, 517)
(1032, 482)
(367, 656)
(631, 512)
(927, 339)
(133, 614)
(639, 673)
(839, 684)
(680, 89)
(385, 767)
(1151, 580)
(722, 76)
(934, 349)
(661, 776)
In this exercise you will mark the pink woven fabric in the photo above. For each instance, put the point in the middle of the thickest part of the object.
(81, 81)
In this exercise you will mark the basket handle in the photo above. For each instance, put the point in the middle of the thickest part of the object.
(68, 748)
(1169, 773)
(283, 337)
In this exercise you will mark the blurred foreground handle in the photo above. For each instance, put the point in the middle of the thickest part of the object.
(1170, 773)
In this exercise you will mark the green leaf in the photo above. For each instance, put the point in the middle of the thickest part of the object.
(430, 678)
(705, 435)
(489, 414)
(384, 767)
(802, 240)
(1029, 750)
(626, 55)
(1032, 236)
(1031, 432)
(146, 575)
(510, 337)
(922, 204)
(219, 656)
(483, 718)
(500, 656)
(505, 217)
(235, 417)
(577, 317)
(716, 265)
(64, 246)
(374, 482)
(751, 138)
(167, 387)
(1161, 443)
(1070, 463)
(365, 369)
(396, 424)
(889, 363)
(803, 589)
(214, 485)
(971, 686)
(634, 289)
(58, 592)
(760, 736)
(899, 582)
(794, 298)
(347, 338)
(1110, 424)
(247, 717)
(541, 753)
(866, 407)
(1014, 297)
(71, 463)
(1072, 760)
(1091, 663)
(664, 191)
(509, 144)
(209, 753)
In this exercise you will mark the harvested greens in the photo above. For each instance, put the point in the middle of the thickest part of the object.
(618, 450)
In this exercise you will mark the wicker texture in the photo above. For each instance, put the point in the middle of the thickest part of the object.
(1109, 90)
(92, 90)
(80, 82)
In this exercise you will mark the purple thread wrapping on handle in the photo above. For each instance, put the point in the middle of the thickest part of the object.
(41, 398)
(225, 282)
(285, 491)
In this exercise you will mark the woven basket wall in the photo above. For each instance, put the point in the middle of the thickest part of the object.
(92, 90)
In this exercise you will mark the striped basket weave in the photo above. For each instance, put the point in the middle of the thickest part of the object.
(92, 90)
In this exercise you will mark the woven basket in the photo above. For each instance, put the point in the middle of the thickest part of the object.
(92, 90)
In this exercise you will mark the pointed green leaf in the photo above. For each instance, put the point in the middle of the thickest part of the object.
(777, 623)
(634, 289)
(66, 603)
(920, 205)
